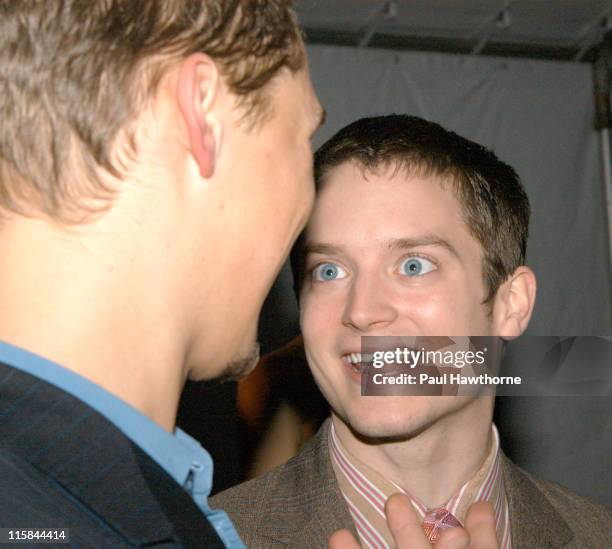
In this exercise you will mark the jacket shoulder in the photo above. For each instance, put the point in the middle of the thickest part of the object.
(587, 519)
(246, 498)
(28, 499)
(298, 500)
(257, 500)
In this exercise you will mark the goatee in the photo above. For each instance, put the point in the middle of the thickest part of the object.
(241, 367)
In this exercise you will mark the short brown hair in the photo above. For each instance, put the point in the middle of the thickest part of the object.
(73, 73)
(495, 205)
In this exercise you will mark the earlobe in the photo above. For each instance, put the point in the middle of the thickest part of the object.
(198, 83)
(514, 303)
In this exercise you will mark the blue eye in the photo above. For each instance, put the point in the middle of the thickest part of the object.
(327, 272)
(416, 266)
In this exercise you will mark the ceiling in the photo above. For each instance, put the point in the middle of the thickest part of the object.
(555, 29)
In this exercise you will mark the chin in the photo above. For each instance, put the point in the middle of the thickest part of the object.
(396, 418)
(231, 370)
(243, 365)
(386, 428)
(226, 361)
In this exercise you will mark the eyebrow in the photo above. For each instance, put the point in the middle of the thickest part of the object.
(391, 244)
(321, 248)
(424, 240)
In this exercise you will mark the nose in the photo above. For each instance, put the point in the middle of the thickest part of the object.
(369, 305)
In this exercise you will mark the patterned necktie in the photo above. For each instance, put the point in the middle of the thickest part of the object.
(437, 521)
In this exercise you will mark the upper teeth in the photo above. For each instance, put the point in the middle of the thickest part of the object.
(357, 358)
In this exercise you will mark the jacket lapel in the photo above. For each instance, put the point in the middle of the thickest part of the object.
(534, 521)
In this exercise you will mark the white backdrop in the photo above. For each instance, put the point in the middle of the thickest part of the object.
(538, 117)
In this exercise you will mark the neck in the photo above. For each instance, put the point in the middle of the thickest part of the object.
(68, 298)
(433, 464)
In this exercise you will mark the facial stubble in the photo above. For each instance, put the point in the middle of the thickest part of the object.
(242, 366)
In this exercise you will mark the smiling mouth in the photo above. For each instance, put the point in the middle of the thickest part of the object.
(360, 361)
(357, 361)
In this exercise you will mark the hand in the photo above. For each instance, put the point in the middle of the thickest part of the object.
(405, 526)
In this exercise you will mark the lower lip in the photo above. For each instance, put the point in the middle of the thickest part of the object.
(355, 376)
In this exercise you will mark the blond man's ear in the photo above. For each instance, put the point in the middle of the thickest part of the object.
(513, 303)
(197, 89)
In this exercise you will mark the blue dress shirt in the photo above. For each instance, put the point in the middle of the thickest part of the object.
(180, 455)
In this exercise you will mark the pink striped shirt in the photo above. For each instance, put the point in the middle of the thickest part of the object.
(366, 492)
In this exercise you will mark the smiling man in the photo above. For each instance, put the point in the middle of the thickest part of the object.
(416, 231)
(155, 170)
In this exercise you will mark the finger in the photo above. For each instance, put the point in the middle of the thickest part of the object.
(342, 539)
(454, 538)
(404, 523)
(480, 524)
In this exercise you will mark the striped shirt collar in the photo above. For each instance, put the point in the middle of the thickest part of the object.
(366, 492)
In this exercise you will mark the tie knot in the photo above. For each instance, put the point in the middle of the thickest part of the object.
(437, 521)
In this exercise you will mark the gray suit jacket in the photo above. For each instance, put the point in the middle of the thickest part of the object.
(299, 505)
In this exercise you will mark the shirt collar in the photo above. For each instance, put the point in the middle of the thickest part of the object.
(366, 492)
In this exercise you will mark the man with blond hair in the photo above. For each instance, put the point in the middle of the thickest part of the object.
(155, 169)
